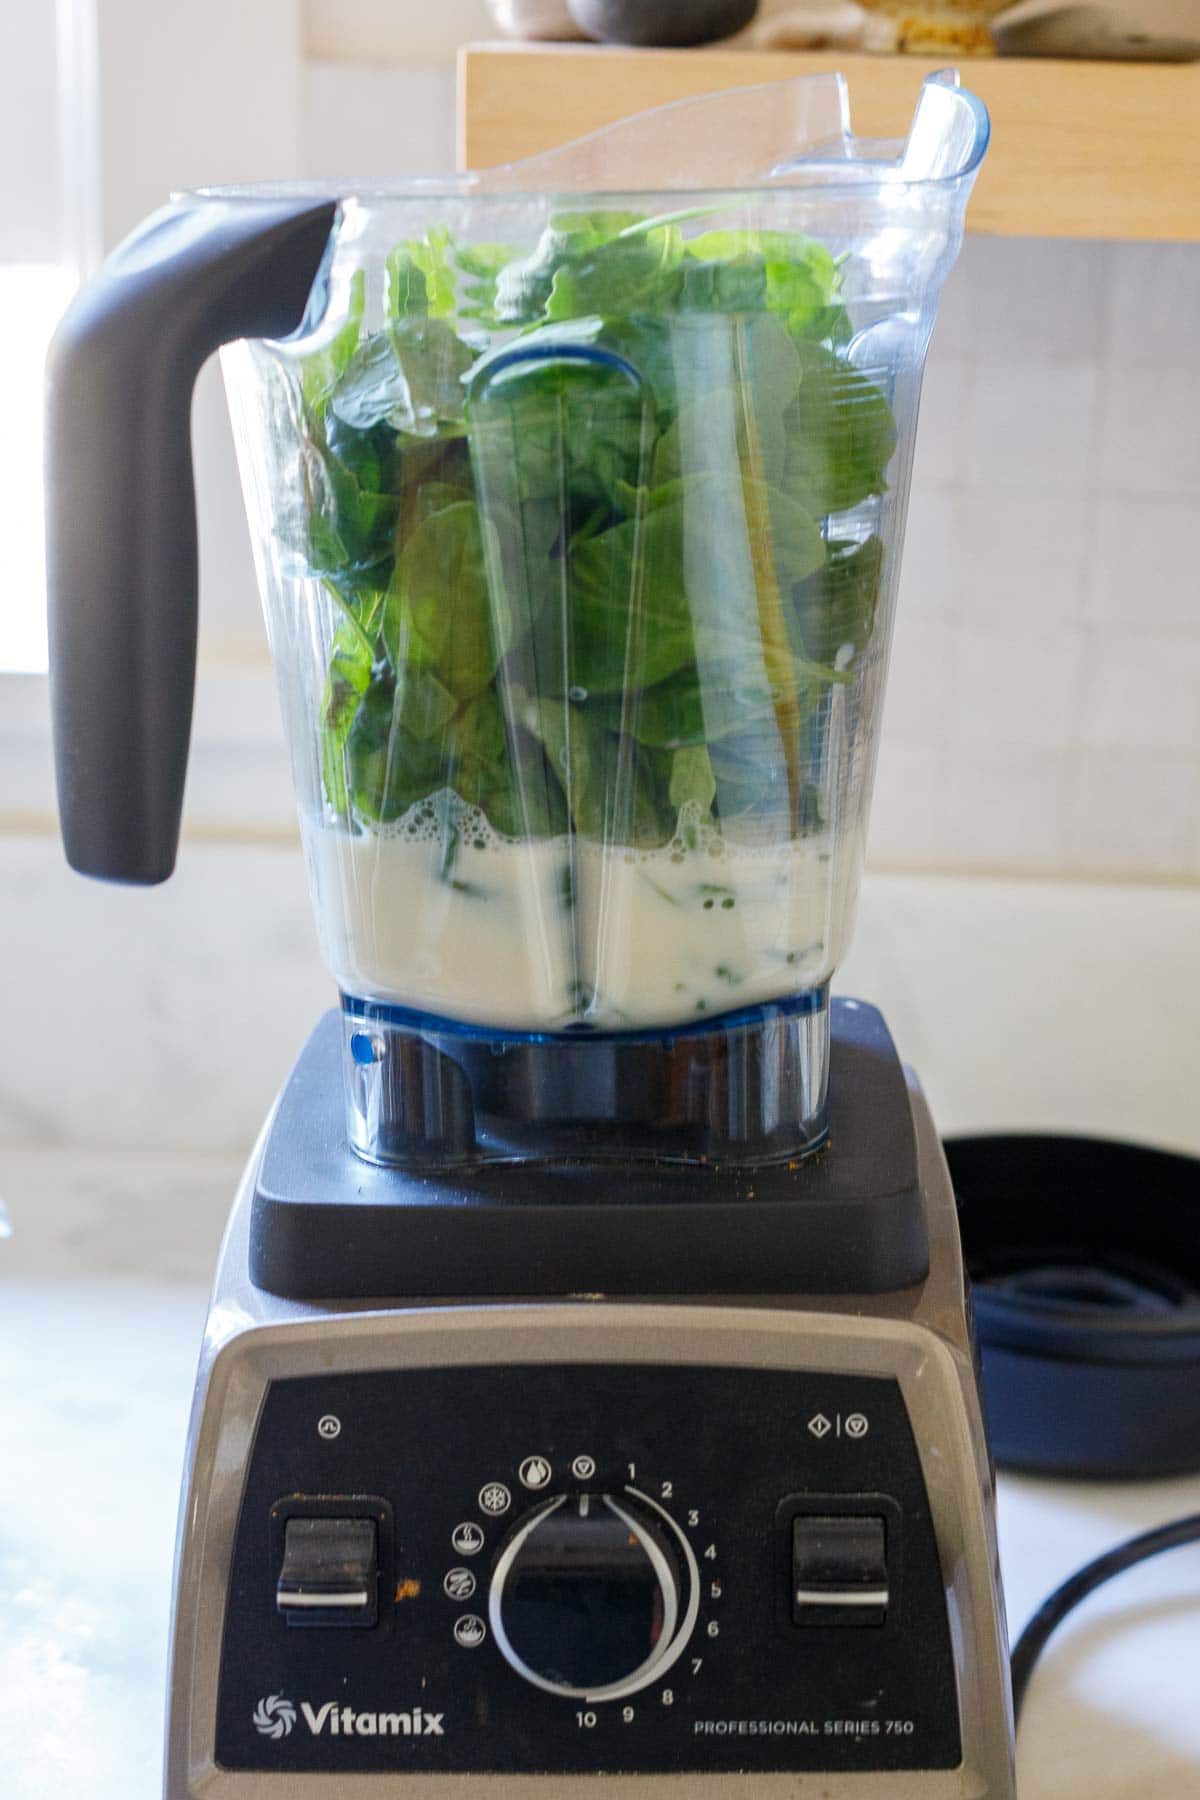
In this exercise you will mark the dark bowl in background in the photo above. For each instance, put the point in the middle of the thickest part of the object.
(1084, 1258)
(661, 23)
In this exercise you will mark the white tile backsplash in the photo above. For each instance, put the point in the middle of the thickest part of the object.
(1016, 691)
(1039, 1005)
(1141, 691)
(945, 418)
(384, 120)
(144, 1018)
(1034, 299)
(1134, 810)
(908, 815)
(1153, 305)
(1149, 438)
(1006, 806)
(1051, 539)
(1020, 559)
(920, 676)
(1144, 570)
(931, 574)
(1031, 425)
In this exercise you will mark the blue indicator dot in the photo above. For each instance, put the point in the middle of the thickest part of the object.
(364, 1049)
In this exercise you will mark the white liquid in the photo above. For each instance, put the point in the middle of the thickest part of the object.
(543, 935)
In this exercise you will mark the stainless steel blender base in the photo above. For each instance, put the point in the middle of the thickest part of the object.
(236, 1696)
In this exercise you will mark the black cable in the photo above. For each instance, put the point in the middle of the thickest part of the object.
(1063, 1600)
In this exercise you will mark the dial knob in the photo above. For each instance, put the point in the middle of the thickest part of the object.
(593, 1595)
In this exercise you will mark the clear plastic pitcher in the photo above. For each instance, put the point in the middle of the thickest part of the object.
(577, 497)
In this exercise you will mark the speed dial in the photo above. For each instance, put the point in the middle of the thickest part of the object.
(594, 1595)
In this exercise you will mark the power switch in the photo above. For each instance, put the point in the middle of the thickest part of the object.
(839, 1570)
(330, 1573)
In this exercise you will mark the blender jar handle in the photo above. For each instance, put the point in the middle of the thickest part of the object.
(121, 559)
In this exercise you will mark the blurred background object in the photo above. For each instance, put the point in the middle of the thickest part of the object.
(1125, 31)
(662, 22)
(932, 27)
(534, 20)
(844, 25)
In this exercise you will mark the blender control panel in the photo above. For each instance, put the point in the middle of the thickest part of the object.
(568, 1569)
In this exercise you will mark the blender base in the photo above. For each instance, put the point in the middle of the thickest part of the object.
(807, 1474)
(847, 1218)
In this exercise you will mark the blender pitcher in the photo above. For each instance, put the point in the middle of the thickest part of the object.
(577, 491)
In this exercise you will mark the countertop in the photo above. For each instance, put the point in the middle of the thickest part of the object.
(102, 1296)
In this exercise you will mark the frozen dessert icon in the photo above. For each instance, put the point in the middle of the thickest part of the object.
(535, 1472)
(494, 1498)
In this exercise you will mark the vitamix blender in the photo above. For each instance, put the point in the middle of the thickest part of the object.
(588, 1386)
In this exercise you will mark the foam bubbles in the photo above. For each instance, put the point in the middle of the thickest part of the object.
(440, 815)
(443, 815)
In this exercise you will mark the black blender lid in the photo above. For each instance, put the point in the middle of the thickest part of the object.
(1084, 1254)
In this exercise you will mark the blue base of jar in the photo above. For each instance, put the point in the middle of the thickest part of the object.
(744, 1088)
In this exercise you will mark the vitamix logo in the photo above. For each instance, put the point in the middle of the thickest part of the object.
(275, 1716)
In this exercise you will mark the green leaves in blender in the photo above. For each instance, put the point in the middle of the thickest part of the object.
(642, 569)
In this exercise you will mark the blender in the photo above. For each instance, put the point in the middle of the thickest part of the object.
(588, 1386)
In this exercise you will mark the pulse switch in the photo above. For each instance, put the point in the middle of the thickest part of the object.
(330, 1573)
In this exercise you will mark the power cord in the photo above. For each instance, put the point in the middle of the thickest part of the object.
(1066, 1598)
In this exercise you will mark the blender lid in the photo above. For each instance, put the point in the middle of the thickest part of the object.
(710, 143)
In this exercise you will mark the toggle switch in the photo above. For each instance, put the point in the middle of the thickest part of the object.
(839, 1570)
(330, 1573)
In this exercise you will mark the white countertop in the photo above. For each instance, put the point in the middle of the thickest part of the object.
(96, 1365)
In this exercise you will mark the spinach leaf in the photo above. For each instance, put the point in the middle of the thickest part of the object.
(835, 607)
(341, 529)
(481, 264)
(840, 433)
(441, 612)
(799, 278)
(407, 377)
(685, 711)
(616, 790)
(419, 281)
(692, 780)
(523, 287)
(558, 428)
(351, 665)
(321, 369)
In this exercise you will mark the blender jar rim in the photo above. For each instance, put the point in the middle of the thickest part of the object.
(864, 163)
